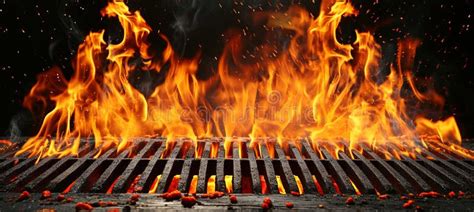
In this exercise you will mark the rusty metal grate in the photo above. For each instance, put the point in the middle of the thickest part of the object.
(152, 168)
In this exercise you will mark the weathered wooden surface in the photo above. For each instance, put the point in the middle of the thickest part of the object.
(245, 202)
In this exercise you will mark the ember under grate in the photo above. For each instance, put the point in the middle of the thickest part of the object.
(153, 168)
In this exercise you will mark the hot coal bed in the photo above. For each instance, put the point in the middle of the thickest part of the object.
(307, 105)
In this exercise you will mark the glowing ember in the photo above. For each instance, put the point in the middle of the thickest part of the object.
(299, 184)
(211, 184)
(281, 188)
(263, 182)
(318, 186)
(111, 188)
(131, 188)
(336, 186)
(355, 188)
(228, 183)
(154, 185)
(174, 183)
(193, 185)
(68, 188)
(313, 87)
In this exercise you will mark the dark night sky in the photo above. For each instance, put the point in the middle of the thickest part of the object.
(36, 36)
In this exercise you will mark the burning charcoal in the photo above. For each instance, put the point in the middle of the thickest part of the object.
(268, 201)
(418, 208)
(100, 203)
(69, 199)
(320, 206)
(411, 195)
(460, 194)
(174, 195)
(188, 201)
(350, 201)
(451, 194)
(433, 194)
(295, 193)
(233, 199)
(135, 197)
(112, 203)
(289, 205)
(265, 206)
(403, 198)
(408, 204)
(384, 196)
(23, 196)
(60, 197)
(46, 194)
(83, 206)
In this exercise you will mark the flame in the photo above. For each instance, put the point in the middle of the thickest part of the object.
(211, 184)
(355, 187)
(111, 187)
(315, 86)
(154, 185)
(228, 183)
(69, 187)
(174, 183)
(447, 130)
(263, 183)
(281, 188)
(131, 188)
(193, 185)
(299, 184)
(318, 186)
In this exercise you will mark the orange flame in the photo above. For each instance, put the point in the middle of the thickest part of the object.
(314, 87)
(211, 184)
(263, 183)
(228, 183)
(299, 184)
(154, 185)
(174, 183)
(281, 188)
(193, 185)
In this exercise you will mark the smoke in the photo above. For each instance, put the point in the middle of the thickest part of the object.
(19, 126)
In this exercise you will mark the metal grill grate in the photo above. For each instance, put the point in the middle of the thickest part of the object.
(152, 168)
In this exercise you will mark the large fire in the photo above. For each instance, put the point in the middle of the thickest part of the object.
(315, 87)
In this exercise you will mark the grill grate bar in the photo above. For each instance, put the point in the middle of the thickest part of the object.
(256, 186)
(186, 171)
(339, 175)
(379, 178)
(270, 171)
(391, 171)
(437, 181)
(237, 178)
(321, 174)
(132, 168)
(359, 178)
(42, 165)
(166, 175)
(290, 179)
(442, 172)
(106, 177)
(203, 175)
(81, 182)
(152, 161)
(451, 166)
(220, 177)
(309, 186)
(41, 180)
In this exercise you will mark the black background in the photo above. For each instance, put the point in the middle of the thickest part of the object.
(36, 35)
